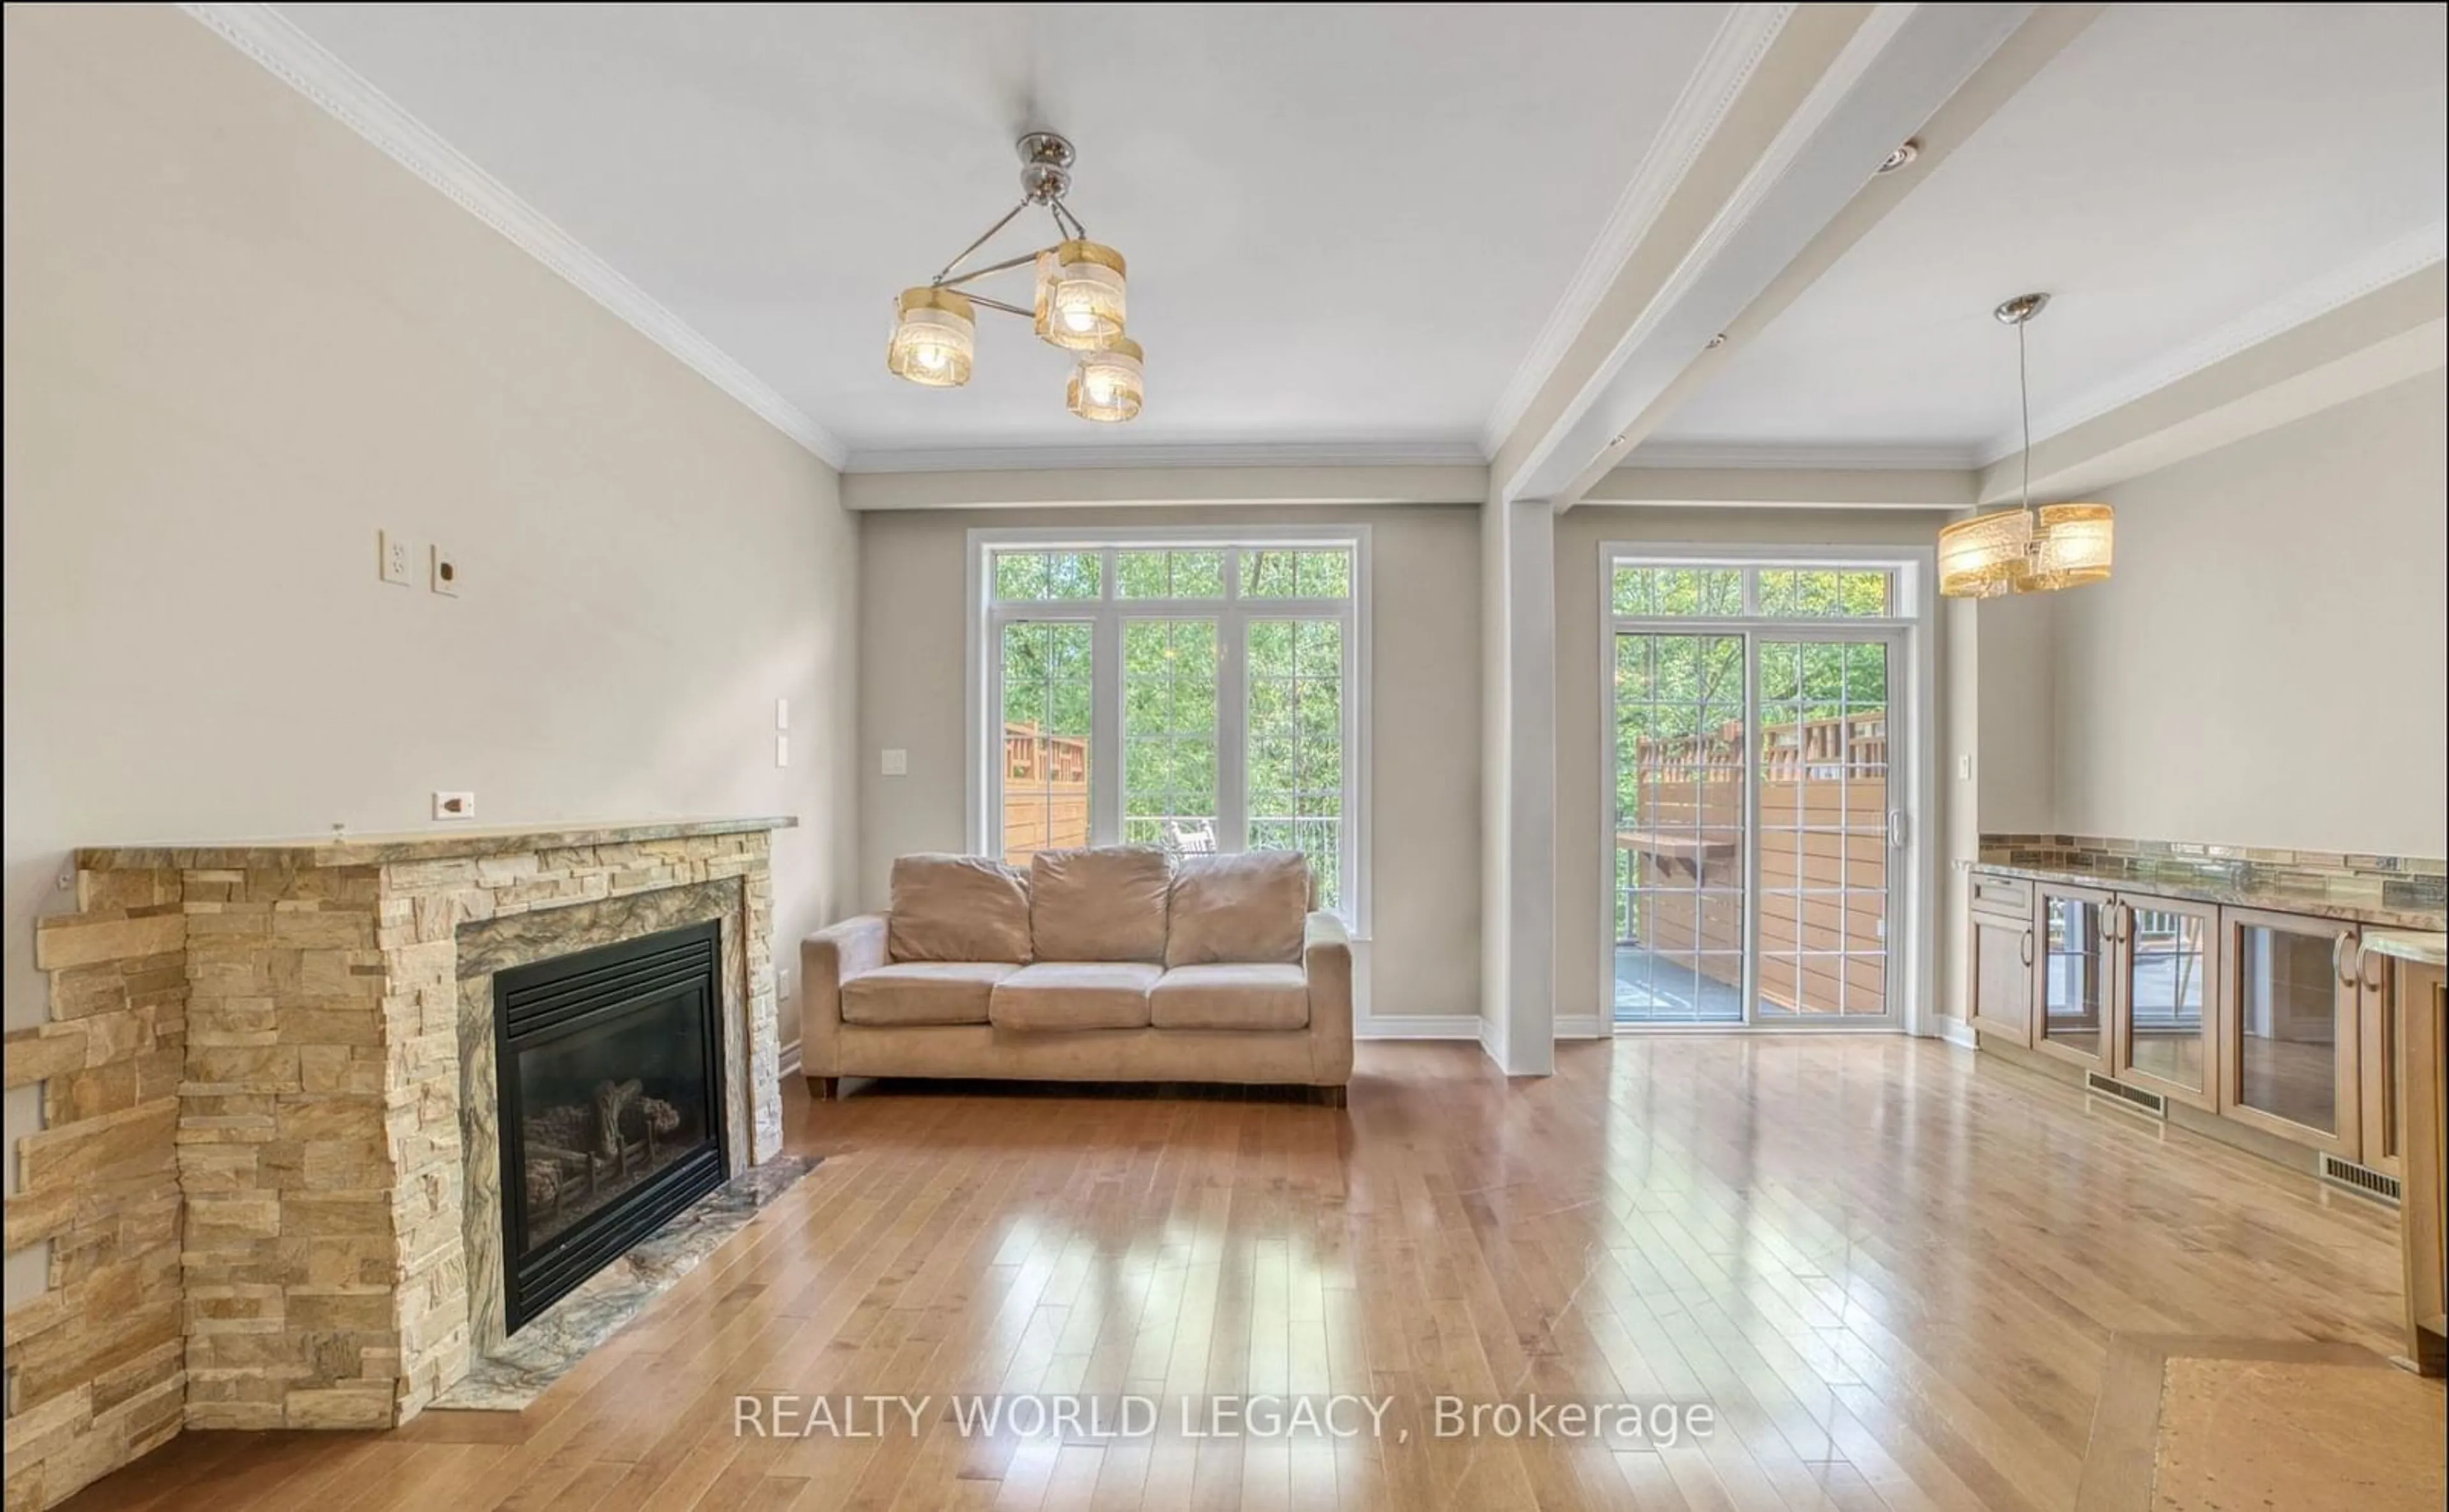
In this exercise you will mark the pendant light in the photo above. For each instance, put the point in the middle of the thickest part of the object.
(1079, 302)
(935, 340)
(1107, 385)
(2023, 549)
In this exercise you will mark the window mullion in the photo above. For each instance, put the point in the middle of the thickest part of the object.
(1232, 729)
(1105, 729)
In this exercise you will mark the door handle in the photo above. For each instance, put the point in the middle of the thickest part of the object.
(1896, 829)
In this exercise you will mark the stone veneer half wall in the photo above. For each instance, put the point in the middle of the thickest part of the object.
(255, 1173)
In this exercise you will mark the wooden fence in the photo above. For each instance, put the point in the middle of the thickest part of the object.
(1045, 792)
(1823, 858)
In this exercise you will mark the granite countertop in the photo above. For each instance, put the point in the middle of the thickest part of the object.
(342, 849)
(2430, 948)
(2411, 903)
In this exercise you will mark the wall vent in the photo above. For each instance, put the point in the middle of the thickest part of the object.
(2152, 1103)
(2362, 1179)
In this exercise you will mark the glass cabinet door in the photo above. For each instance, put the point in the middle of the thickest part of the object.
(2171, 987)
(2288, 1046)
(2074, 975)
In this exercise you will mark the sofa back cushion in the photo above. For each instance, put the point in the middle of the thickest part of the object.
(1242, 908)
(957, 908)
(1102, 904)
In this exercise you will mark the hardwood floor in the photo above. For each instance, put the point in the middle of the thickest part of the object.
(1899, 1279)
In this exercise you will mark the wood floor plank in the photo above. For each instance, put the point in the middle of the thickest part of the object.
(1897, 1274)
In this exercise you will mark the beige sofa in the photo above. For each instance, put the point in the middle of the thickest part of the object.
(1117, 963)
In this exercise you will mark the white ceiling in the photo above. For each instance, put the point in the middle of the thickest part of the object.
(2184, 179)
(1347, 224)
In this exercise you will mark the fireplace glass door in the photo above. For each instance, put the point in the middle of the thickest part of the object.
(611, 1088)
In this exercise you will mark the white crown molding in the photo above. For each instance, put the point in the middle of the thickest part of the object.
(1725, 66)
(1805, 456)
(1163, 454)
(2410, 254)
(296, 60)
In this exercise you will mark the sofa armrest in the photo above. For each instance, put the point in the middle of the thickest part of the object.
(828, 958)
(1326, 960)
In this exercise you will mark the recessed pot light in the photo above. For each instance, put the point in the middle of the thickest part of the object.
(1906, 151)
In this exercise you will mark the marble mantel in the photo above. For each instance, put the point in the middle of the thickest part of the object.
(344, 849)
(255, 1175)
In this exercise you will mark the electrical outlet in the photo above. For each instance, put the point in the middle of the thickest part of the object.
(454, 805)
(781, 749)
(896, 763)
(446, 573)
(394, 559)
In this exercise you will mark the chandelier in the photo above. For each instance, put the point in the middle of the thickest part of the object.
(1078, 304)
(2024, 549)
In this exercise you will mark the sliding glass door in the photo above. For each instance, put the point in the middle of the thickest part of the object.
(1757, 833)
(1680, 827)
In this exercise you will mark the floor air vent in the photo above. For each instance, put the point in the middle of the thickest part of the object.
(2135, 1098)
(2362, 1179)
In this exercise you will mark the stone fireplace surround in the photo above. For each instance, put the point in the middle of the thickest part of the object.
(268, 1172)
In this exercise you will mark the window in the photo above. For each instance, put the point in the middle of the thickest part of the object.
(1647, 592)
(1196, 693)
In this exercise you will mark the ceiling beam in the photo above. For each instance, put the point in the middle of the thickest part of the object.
(1775, 187)
(2392, 334)
(1791, 488)
(2001, 77)
(1019, 489)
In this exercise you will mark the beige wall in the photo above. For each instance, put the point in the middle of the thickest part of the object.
(1424, 737)
(1582, 991)
(2267, 667)
(240, 341)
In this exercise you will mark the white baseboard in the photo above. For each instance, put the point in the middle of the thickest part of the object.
(1955, 1031)
(1582, 1026)
(1418, 1026)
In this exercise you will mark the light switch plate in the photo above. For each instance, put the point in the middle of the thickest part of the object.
(446, 573)
(896, 763)
(782, 714)
(1964, 768)
(781, 749)
(394, 559)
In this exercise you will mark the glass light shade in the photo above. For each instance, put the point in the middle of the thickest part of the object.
(2072, 545)
(1042, 305)
(934, 338)
(1985, 556)
(1084, 302)
(1107, 386)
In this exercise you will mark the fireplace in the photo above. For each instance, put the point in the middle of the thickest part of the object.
(610, 1082)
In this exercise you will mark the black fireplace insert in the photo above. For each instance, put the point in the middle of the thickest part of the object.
(610, 1071)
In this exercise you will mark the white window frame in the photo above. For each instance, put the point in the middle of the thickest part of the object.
(1911, 615)
(1232, 614)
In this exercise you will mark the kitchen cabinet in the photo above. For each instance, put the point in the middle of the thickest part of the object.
(2074, 975)
(2291, 1029)
(2003, 958)
(2166, 1004)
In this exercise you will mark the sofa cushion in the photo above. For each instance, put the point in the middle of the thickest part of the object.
(958, 907)
(1244, 995)
(1103, 903)
(1075, 995)
(923, 992)
(1245, 906)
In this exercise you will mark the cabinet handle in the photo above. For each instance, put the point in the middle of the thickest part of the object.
(2349, 968)
(2027, 947)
